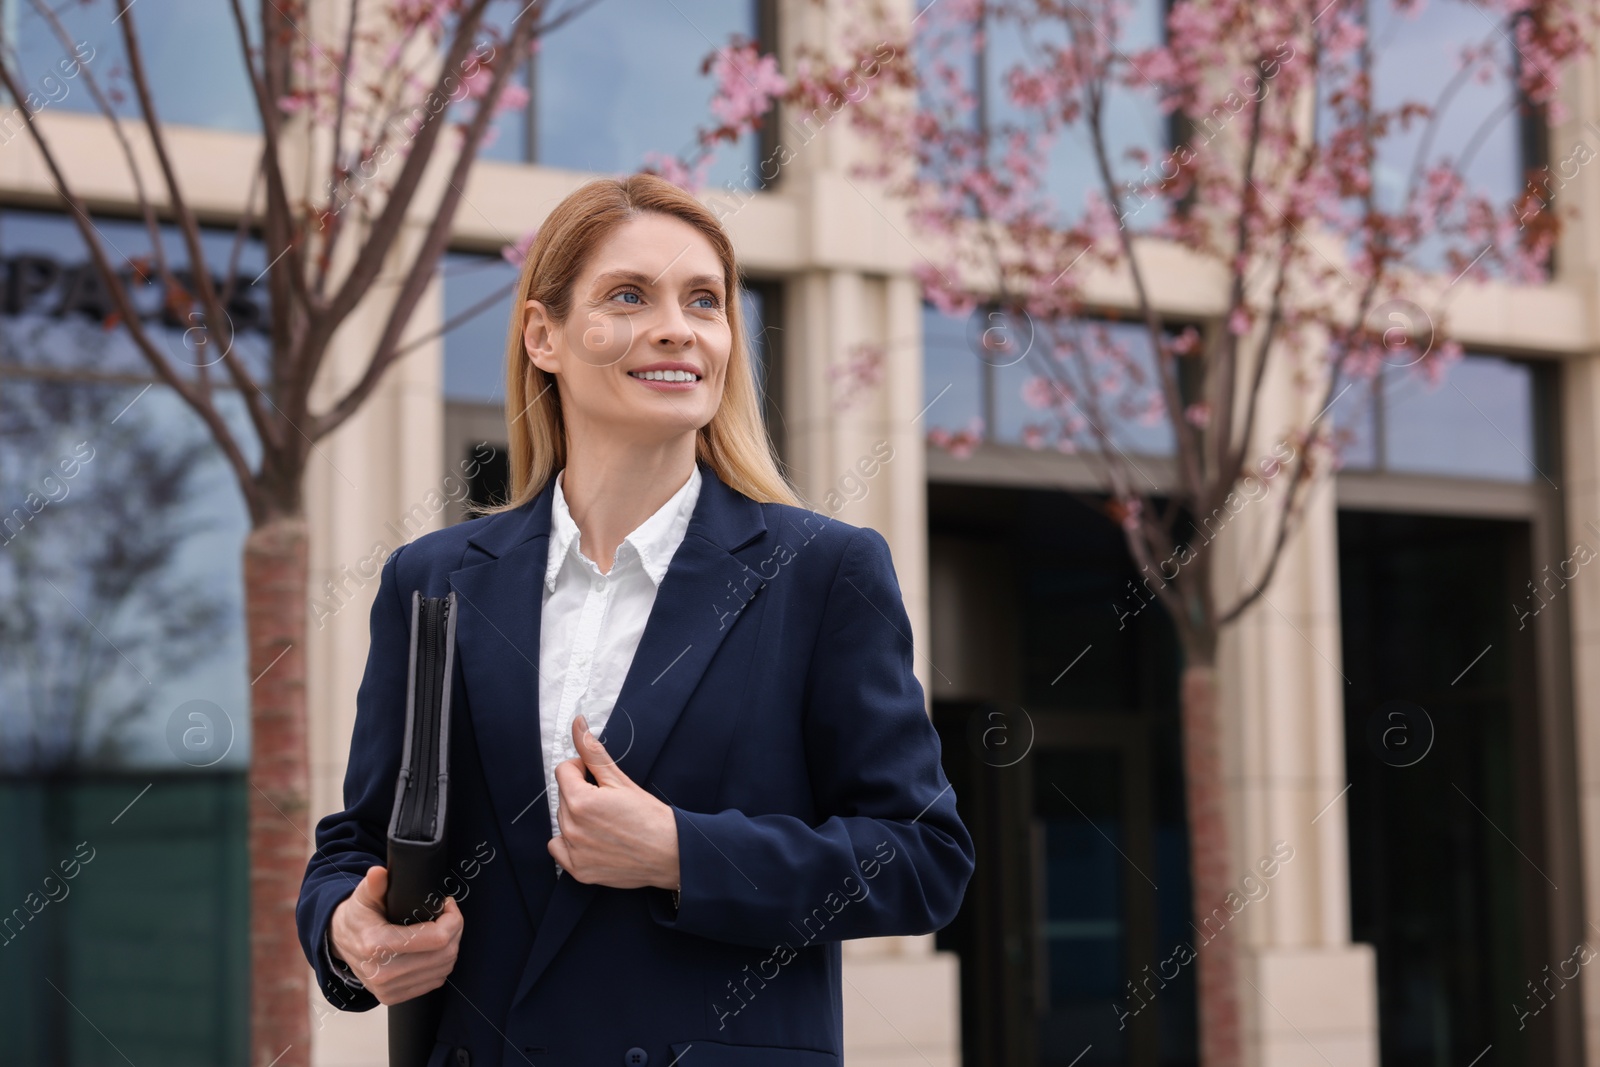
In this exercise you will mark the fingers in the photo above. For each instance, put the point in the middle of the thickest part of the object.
(569, 780)
(397, 963)
(594, 755)
(373, 889)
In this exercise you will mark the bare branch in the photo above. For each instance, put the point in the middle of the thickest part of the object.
(1221, 436)
(285, 277)
(391, 221)
(437, 238)
(1183, 433)
(200, 402)
(189, 229)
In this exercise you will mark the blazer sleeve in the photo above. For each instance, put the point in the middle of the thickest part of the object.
(890, 856)
(350, 841)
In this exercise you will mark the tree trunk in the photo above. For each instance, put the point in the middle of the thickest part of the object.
(275, 583)
(1210, 863)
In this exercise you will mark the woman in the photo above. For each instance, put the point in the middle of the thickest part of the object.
(765, 782)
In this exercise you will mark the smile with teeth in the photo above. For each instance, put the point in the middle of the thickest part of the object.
(664, 375)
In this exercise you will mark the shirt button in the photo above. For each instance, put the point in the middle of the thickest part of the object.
(600, 584)
(636, 1057)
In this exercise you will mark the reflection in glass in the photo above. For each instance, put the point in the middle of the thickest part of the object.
(952, 375)
(56, 308)
(121, 525)
(1132, 120)
(477, 314)
(1123, 400)
(1079, 844)
(121, 568)
(1477, 422)
(191, 56)
(947, 59)
(621, 79)
(1416, 58)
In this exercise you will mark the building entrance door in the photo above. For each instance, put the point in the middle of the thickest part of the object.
(1080, 894)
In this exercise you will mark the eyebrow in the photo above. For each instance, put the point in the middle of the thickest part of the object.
(644, 279)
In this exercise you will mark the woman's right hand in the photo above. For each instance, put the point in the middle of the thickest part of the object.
(395, 963)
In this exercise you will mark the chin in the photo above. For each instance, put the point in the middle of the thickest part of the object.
(657, 426)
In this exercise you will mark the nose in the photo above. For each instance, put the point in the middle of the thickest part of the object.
(671, 329)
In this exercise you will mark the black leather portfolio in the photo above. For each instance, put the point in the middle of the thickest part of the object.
(417, 862)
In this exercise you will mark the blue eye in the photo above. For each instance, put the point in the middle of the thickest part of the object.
(714, 305)
(626, 292)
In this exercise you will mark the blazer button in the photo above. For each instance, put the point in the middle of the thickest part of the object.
(463, 1058)
(635, 1057)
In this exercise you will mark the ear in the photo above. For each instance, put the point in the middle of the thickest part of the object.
(538, 337)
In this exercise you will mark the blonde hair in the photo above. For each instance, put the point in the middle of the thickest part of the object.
(734, 443)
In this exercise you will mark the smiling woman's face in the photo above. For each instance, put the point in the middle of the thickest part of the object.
(644, 352)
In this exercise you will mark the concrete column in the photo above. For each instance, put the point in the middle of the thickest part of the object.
(371, 486)
(1310, 995)
(1581, 490)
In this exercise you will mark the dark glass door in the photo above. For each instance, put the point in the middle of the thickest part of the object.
(1448, 873)
(1069, 936)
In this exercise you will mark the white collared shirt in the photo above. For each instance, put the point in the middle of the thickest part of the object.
(592, 622)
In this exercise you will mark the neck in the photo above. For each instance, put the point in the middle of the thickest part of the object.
(612, 487)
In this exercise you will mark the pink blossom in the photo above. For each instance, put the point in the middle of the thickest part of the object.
(676, 171)
(1037, 393)
(746, 85)
(512, 98)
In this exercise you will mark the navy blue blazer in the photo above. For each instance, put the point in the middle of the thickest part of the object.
(771, 703)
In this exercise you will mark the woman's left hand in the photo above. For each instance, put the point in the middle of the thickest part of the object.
(612, 832)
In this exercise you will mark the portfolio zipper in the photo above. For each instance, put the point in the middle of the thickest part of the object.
(418, 824)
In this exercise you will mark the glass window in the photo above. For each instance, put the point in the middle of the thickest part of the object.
(477, 315)
(1354, 415)
(122, 527)
(1133, 120)
(1479, 421)
(1126, 392)
(763, 317)
(185, 48)
(1007, 400)
(142, 885)
(622, 79)
(947, 66)
(1479, 123)
(1416, 56)
(951, 69)
(953, 380)
(124, 692)
(56, 310)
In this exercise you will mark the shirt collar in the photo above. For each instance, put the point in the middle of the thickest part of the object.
(654, 541)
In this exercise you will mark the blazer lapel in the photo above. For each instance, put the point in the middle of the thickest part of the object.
(700, 599)
(497, 641)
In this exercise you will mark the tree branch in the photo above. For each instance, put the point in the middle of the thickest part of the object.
(201, 403)
(424, 267)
